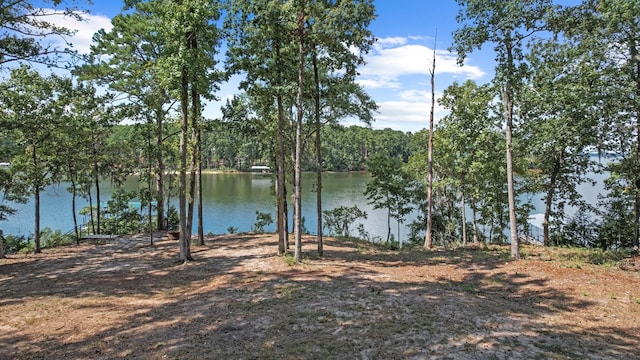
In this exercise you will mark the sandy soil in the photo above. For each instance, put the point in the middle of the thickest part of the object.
(122, 298)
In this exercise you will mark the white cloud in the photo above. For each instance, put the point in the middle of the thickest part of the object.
(394, 57)
(409, 112)
(84, 30)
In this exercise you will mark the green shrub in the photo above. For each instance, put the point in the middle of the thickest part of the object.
(262, 220)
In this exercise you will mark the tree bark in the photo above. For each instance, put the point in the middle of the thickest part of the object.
(464, 222)
(428, 240)
(297, 178)
(508, 112)
(160, 222)
(200, 215)
(316, 79)
(185, 234)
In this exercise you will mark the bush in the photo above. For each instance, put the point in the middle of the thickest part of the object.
(262, 220)
(50, 238)
(16, 243)
(337, 221)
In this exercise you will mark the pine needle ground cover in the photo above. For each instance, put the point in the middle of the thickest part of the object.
(125, 299)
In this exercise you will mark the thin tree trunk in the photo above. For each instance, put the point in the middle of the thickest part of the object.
(36, 230)
(36, 190)
(185, 234)
(635, 58)
(195, 157)
(297, 178)
(318, 154)
(200, 215)
(508, 105)
(98, 210)
(149, 180)
(464, 222)
(280, 176)
(548, 202)
(1, 245)
(91, 218)
(161, 168)
(475, 220)
(428, 240)
(74, 193)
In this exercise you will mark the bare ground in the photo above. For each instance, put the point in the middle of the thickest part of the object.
(125, 299)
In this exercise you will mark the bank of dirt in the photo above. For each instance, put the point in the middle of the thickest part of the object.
(122, 298)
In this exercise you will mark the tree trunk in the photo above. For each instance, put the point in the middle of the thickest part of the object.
(160, 175)
(549, 201)
(36, 230)
(1, 245)
(316, 79)
(200, 215)
(74, 194)
(98, 210)
(428, 240)
(91, 219)
(280, 176)
(464, 222)
(508, 109)
(297, 177)
(195, 157)
(185, 234)
(475, 220)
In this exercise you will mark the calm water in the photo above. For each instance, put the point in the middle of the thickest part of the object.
(233, 199)
(228, 200)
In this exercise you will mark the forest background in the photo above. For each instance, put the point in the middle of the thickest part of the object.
(566, 86)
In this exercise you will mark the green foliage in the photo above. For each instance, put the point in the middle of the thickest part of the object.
(173, 219)
(339, 220)
(23, 27)
(54, 238)
(389, 189)
(262, 220)
(16, 243)
(289, 259)
(232, 230)
(123, 219)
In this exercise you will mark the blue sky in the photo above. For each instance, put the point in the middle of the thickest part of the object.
(397, 71)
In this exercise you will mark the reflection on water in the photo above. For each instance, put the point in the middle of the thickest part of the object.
(229, 200)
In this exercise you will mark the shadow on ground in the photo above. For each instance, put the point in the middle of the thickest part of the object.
(240, 300)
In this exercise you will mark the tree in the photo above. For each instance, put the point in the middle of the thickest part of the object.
(558, 105)
(507, 25)
(34, 115)
(126, 60)
(428, 243)
(335, 28)
(388, 189)
(260, 38)
(192, 36)
(24, 26)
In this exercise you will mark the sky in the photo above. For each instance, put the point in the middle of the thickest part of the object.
(396, 75)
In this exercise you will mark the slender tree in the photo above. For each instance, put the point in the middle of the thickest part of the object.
(507, 25)
(428, 242)
(33, 112)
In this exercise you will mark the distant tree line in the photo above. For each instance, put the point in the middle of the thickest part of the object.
(566, 84)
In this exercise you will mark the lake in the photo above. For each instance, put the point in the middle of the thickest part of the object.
(232, 199)
(229, 199)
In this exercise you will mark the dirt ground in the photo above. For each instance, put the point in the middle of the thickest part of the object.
(122, 298)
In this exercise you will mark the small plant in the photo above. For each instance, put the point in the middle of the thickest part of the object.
(232, 230)
(338, 220)
(637, 301)
(262, 220)
(173, 218)
(51, 238)
(15, 243)
(289, 260)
